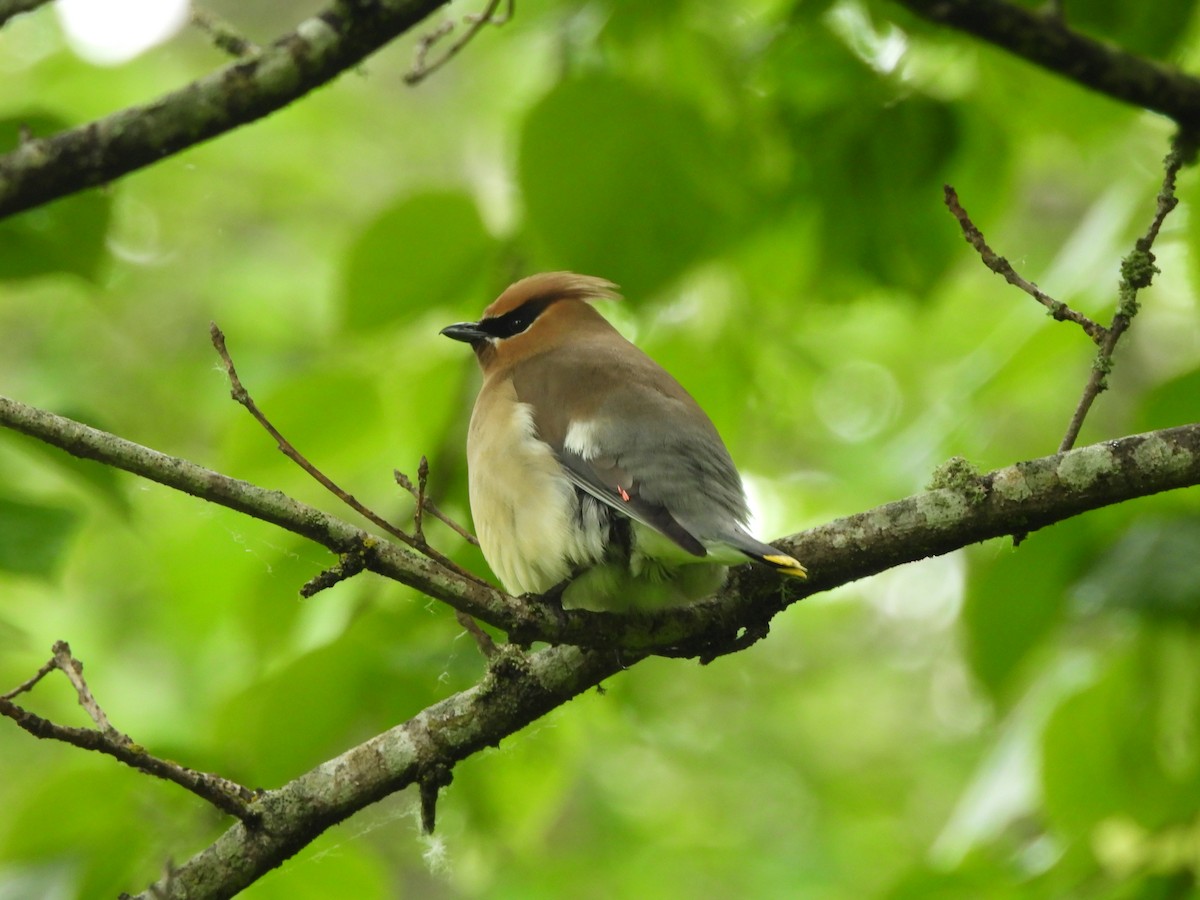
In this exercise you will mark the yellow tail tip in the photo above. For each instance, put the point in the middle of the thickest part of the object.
(787, 565)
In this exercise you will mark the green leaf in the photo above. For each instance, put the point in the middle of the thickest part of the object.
(626, 184)
(33, 537)
(316, 411)
(885, 164)
(116, 858)
(425, 250)
(1015, 604)
(1150, 29)
(64, 236)
(1171, 403)
(1154, 570)
(406, 651)
(1126, 746)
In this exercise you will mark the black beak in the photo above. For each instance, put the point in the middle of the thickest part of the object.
(467, 332)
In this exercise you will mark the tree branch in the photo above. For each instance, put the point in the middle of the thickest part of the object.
(318, 50)
(226, 795)
(239, 393)
(519, 689)
(381, 557)
(516, 691)
(1020, 498)
(425, 505)
(1137, 272)
(1043, 39)
(11, 8)
(1059, 311)
(961, 509)
(422, 68)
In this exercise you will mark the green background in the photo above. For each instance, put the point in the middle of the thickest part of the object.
(764, 179)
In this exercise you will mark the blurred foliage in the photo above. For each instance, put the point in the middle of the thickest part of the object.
(65, 236)
(764, 179)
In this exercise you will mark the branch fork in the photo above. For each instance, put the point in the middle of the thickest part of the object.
(355, 560)
(1137, 272)
(227, 796)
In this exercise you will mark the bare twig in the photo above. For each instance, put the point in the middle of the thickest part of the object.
(348, 565)
(419, 511)
(226, 795)
(73, 669)
(483, 640)
(223, 35)
(242, 396)
(29, 683)
(1001, 266)
(430, 782)
(431, 508)
(425, 43)
(1137, 272)
(422, 68)
(489, 15)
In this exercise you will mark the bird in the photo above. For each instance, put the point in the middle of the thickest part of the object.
(593, 475)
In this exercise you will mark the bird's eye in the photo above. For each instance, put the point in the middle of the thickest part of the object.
(514, 322)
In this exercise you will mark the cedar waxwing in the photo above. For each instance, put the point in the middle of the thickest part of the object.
(587, 461)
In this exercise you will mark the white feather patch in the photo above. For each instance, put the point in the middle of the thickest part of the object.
(581, 439)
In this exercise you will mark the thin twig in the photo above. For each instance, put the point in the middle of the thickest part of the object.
(431, 780)
(223, 35)
(483, 640)
(1137, 272)
(431, 508)
(226, 795)
(1001, 266)
(422, 68)
(242, 396)
(29, 683)
(419, 511)
(73, 669)
(348, 565)
(425, 43)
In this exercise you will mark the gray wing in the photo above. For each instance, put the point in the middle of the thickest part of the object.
(675, 478)
(636, 441)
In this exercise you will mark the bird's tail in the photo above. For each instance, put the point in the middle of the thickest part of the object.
(784, 564)
(781, 562)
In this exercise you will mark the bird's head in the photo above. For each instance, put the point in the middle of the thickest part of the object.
(533, 315)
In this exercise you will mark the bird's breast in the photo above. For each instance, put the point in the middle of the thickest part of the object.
(528, 516)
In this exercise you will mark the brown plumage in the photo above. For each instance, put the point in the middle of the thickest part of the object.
(587, 456)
